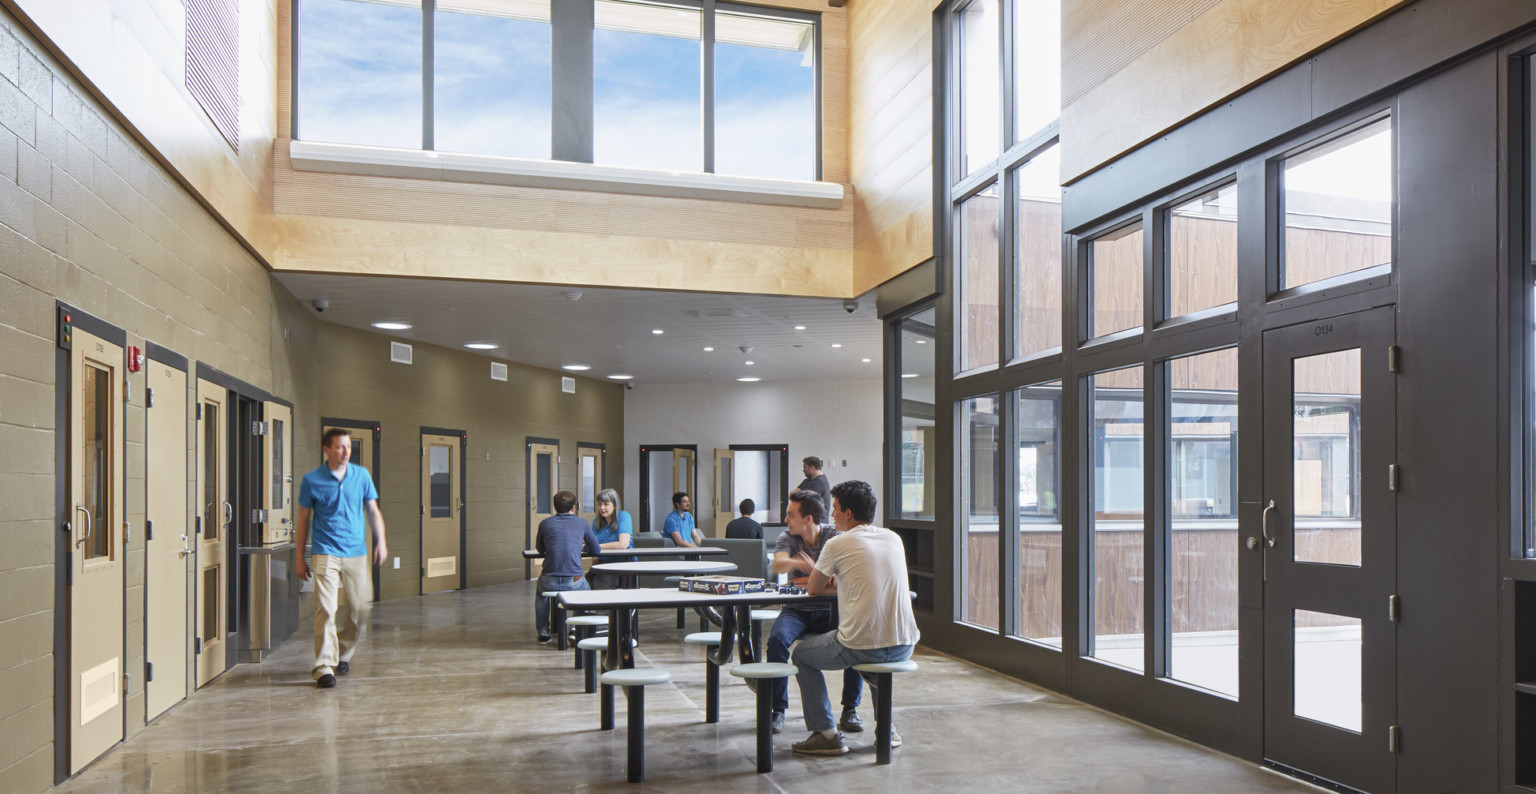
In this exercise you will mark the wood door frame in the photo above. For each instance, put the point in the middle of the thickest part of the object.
(62, 518)
(463, 436)
(174, 360)
(601, 480)
(528, 527)
(645, 480)
(376, 435)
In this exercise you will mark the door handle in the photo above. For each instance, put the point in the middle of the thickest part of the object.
(81, 509)
(185, 549)
(229, 514)
(1264, 525)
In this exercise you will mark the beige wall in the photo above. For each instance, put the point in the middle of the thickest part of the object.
(88, 217)
(453, 390)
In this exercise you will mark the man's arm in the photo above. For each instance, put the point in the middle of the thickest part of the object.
(821, 584)
(590, 541)
(676, 527)
(376, 520)
(783, 563)
(301, 541)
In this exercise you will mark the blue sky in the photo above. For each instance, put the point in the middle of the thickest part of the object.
(360, 82)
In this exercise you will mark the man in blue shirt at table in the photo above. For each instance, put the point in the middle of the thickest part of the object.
(561, 539)
(679, 524)
(333, 501)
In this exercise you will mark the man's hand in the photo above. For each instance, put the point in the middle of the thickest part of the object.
(804, 562)
(380, 553)
(301, 566)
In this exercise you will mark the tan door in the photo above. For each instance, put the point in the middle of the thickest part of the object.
(277, 488)
(589, 480)
(440, 506)
(169, 546)
(96, 548)
(215, 514)
(682, 478)
(543, 482)
(362, 455)
(725, 489)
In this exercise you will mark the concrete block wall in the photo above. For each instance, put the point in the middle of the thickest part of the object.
(87, 216)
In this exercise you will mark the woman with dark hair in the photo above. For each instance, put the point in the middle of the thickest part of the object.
(614, 531)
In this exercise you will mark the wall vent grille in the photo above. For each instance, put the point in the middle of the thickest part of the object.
(399, 352)
(213, 63)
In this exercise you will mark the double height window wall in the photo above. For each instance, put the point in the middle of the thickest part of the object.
(1097, 380)
(680, 86)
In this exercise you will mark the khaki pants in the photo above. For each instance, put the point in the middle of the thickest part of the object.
(334, 643)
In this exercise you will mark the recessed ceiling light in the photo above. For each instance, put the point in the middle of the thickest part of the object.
(865, 360)
(621, 377)
(750, 363)
(576, 367)
(480, 346)
(657, 331)
(834, 344)
(393, 326)
(749, 380)
(709, 350)
(922, 341)
(799, 328)
(909, 374)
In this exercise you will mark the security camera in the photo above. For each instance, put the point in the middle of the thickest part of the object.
(629, 386)
(320, 305)
(850, 306)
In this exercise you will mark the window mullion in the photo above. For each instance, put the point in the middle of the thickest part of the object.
(428, 71)
(572, 24)
(707, 82)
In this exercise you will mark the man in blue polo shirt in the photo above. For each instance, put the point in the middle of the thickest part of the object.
(679, 524)
(338, 501)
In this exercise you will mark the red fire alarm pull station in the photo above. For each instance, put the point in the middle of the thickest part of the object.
(135, 359)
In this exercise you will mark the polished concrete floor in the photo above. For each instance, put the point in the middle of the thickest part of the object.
(451, 693)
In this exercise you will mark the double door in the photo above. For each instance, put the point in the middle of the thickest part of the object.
(1328, 537)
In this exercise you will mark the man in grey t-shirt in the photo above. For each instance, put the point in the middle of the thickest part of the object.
(798, 548)
(815, 480)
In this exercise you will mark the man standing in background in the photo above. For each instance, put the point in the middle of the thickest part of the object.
(815, 480)
(333, 501)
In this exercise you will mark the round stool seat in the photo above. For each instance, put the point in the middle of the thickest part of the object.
(764, 670)
(903, 666)
(586, 620)
(601, 644)
(702, 638)
(636, 676)
(765, 614)
(672, 579)
(551, 593)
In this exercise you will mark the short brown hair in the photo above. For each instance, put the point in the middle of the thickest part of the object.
(565, 502)
(331, 435)
(812, 461)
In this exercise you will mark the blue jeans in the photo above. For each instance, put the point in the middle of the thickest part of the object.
(542, 605)
(791, 625)
(824, 652)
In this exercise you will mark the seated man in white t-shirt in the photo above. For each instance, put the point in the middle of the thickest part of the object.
(866, 567)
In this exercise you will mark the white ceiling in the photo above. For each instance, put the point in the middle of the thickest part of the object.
(610, 330)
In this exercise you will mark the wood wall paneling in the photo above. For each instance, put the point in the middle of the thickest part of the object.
(890, 105)
(1226, 47)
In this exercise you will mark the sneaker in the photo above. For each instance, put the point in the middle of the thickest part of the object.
(343, 668)
(326, 681)
(895, 737)
(816, 744)
(543, 638)
(850, 722)
(777, 723)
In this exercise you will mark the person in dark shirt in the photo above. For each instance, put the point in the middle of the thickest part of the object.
(561, 539)
(746, 526)
(815, 480)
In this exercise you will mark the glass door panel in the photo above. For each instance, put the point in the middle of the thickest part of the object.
(1328, 536)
